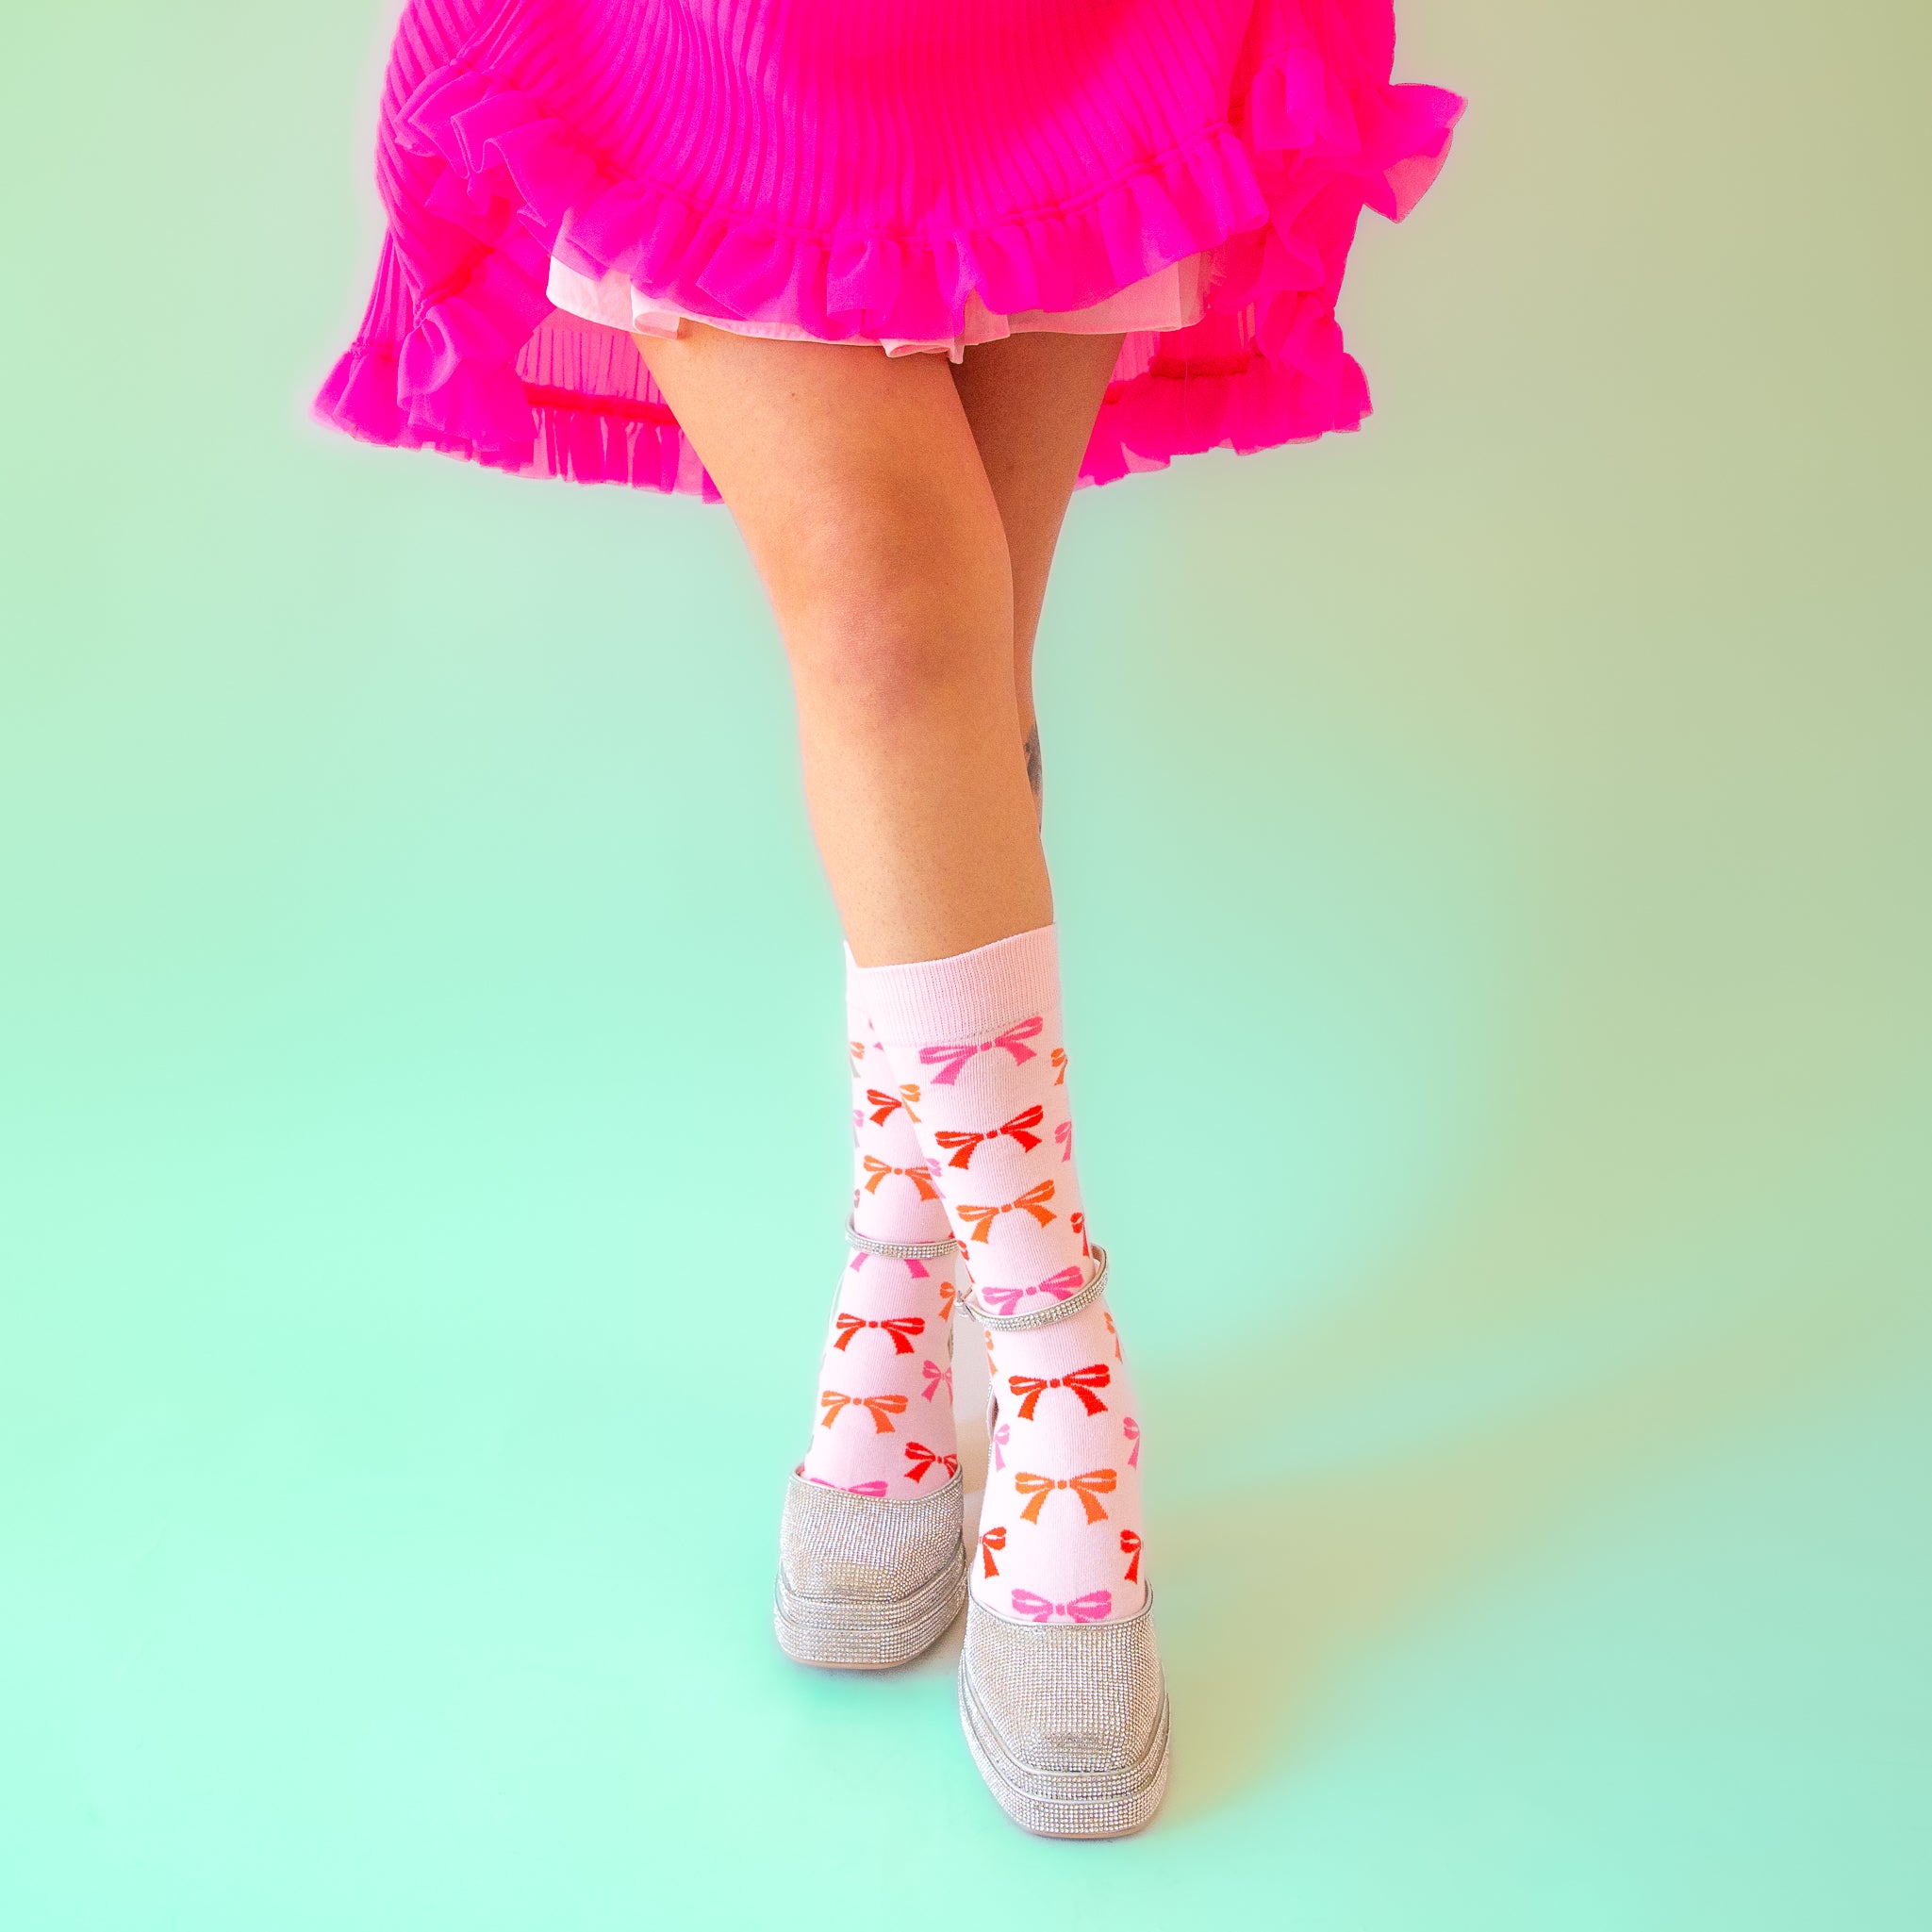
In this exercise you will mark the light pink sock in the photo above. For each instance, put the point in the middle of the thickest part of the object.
(883, 1424)
(975, 1046)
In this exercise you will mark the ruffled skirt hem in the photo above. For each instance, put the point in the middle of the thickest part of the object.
(464, 350)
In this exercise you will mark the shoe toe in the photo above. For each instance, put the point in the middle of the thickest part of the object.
(867, 1582)
(1067, 1722)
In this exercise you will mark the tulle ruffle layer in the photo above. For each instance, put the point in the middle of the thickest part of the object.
(486, 176)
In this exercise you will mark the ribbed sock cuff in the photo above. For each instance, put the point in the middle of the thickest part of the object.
(976, 992)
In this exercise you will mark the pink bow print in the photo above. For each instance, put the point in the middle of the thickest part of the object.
(1131, 1430)
(1002, 1436)
(936, 1375)
(857, 1489)
(1063, 1134)
(1068, 1281)
(916, 1270)
(951, 1059)
(1089, 1609)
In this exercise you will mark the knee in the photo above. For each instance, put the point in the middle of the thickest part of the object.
(890, 603)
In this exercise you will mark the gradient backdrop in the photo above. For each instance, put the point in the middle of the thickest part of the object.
(418, 998)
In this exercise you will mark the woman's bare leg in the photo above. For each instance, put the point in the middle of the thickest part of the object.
(862, 495)
(1031, 401)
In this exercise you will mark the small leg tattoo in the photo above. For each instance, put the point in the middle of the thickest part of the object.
(1032, 749)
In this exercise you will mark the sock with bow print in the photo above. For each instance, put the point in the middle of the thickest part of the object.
(976, 1051)
(885, 1422)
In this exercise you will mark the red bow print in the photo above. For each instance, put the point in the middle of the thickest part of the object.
(1015, 1128)
(883, 1105)
(1031, 1202)
(1067, 1281)
(1083, 1381)
(901, 1328)
(952, 1058)
(991, 1540)
(936, 1375)
(880, 1407)
(1064, 1136)
(1130, 1546)
(1131, 1430)
(918, 1176)
(1089, 1609)
(1058, 1058)
(924, 1460)
(1077, 1222)
(1089, 1488)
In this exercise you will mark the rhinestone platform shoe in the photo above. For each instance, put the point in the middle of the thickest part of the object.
(867, 1583)
(1067, 1722)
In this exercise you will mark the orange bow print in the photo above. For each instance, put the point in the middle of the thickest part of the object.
(882, 1407)
(883, 1105)
(924, 1460)
(1083, 1381)
(1031, 1202)
(1130, 1546)
(901, 1328)
(919, 1178)
(1015, 1128)
(947, 1293)
(909, 1098)
(991, 1540)
(1058, 1059)
(1089, 1488)
(857, 1049)
(1107, 1316)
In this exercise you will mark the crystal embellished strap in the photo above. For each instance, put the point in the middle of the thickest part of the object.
(899, 1250)
(1053, 1311)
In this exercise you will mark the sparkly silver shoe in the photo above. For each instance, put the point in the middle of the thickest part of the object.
(1067, 1722)
(867, 1583)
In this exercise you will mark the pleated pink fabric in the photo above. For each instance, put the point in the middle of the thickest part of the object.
(858, 169)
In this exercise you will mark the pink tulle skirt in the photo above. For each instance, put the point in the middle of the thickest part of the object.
(911, 174)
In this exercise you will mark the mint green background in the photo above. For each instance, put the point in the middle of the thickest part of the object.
(418, 1003)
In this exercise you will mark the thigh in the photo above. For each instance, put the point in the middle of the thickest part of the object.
(1032, 400)
(851, 474)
